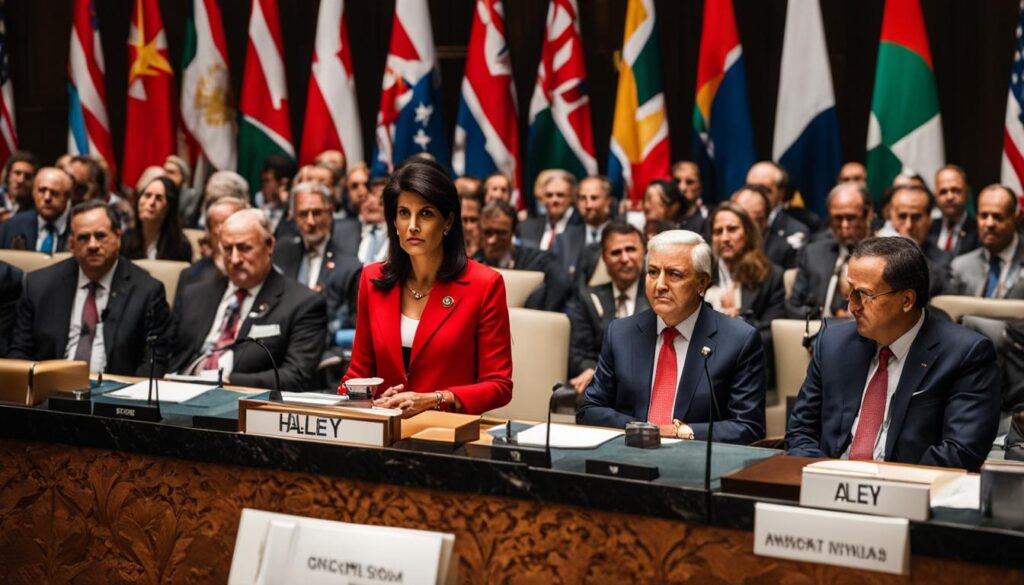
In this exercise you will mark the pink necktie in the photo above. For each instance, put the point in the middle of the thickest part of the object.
(872, 410)
(228, 329)
(665, 379)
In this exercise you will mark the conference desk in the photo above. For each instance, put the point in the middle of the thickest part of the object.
(88, 499)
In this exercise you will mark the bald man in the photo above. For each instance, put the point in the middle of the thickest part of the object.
(251, 301)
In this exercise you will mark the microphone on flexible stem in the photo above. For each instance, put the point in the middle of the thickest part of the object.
(712, 413)
(151, 339)
(275, 394)
(560, 394)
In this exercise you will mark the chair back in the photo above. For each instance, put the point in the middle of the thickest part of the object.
(166, 271)
(26, 260)
(519, 284)
(540, 358)
(958, 306)
(194, 236)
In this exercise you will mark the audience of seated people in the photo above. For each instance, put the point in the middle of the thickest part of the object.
(288, 275)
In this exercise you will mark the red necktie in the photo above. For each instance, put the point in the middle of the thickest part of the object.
(949, 238)
(665, 379)
(872, 410)
(228, 330)
(90, 319)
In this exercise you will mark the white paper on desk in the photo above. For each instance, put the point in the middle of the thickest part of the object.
(312, 398)
(567, 436)
(172, 392)
(963, 493)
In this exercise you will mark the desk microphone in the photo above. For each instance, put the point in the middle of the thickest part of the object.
(712, 412)
(151, 339)
(275, 395)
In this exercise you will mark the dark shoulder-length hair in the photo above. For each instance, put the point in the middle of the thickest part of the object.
(172, 244)
(752, 266)
(429, 180)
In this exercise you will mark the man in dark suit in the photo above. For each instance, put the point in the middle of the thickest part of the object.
(211, 267)
(10, 292)
(558, 192)
(44, 229)
(957, 232)
(310, 256)
(364, 236)
(898, 384)
(622, 249)
(497, 224)
(820, 286)
(652, 364)
(777, 244)
(253, 301)
(96, 307)
(910, 214)
(16, 184)
(994, 270)
(784, 234)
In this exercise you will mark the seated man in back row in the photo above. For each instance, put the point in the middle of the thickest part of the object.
(253, 301)
(652, 365)
(898, 384)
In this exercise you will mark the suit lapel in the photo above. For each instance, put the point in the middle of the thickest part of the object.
(859, 356)
(205, 313)
(63, 299)
(1013, 273)
(269, 297)
(642, 304)
(606, 297)
(435, 314)
(387, 323)
(121, 288)
(643, 360)
(693, 369)
(918, 360)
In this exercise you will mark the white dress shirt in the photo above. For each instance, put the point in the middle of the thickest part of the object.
(98, 357)
(373, 247)
(630, 292)
(314, 260)
(227, 358)
(681, 343)
(550, 231)
(60, 224)
(899, 348)
(839, 275)
(408, 328)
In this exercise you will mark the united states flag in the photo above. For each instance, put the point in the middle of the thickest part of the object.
(1013, 134)
(8, 134)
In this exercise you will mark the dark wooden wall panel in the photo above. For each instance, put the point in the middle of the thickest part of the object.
(971, 41)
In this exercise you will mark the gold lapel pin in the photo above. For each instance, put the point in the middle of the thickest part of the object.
(447, 302)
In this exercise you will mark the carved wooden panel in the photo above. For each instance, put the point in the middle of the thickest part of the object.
(77, 515)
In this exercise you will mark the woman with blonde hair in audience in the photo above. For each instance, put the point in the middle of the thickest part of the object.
(157, 234)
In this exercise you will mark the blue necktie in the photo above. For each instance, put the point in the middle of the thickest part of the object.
(992, 286)
(50, 241)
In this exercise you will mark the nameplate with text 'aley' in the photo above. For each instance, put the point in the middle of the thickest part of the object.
(858, 541)
(902, 491)
(376, 427)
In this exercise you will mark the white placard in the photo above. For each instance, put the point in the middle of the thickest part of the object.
(174, 392)
(279, 548)
(869, 496)
(873, 543)
(310, 427)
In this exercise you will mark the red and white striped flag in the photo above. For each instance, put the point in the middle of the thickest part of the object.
(8, 133)
(1013, 133)
(332, 113)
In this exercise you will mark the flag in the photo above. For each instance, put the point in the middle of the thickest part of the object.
(806, 140)
(410, 120)
(332, 112)
(487, 129)
(560, 132)
(1013, 132)
(905, 128)
(8, 132)
(264, 127)
(207, 111)
(88, 126)
(639, 146)
(149, 122)
(723, 138)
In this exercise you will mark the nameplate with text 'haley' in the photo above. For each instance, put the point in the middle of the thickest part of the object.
(902, 491)
(858, 541)
(376, 427)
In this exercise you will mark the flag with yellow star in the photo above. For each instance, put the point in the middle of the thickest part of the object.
(150, 117)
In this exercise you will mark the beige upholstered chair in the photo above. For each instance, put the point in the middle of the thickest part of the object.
(166, 271)
(788, 279)
(194, 236)
(791, 361)
(519, 284)
(540, 358)
(59, 257)
(958, 306)
(26, 260)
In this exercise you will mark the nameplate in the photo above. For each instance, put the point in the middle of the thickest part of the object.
(279, 548)
(149, 413)
(868, 496)
(873, 543)
(329, 424)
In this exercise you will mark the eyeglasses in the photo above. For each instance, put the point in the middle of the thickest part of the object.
(858, 296)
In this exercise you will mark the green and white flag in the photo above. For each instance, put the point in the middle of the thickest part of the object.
(207, 110)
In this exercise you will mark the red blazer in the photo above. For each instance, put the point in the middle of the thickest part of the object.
(464, 347)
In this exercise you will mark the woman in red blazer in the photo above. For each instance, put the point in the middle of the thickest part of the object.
(431, 323)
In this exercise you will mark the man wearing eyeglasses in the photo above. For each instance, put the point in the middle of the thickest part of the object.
(311, 256)
(97, 306)
(497, 226)
(898, 384)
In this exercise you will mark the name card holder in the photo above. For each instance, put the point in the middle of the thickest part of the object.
(28, 383)
(858, 541)
(376, 427)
